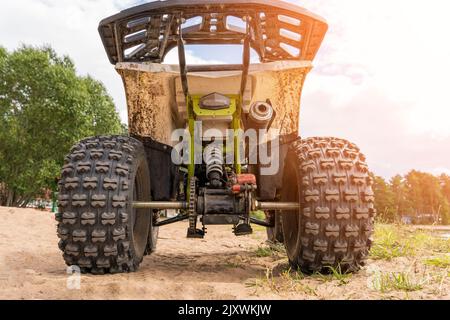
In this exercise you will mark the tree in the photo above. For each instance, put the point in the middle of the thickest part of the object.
(414, 194)
(397, 185)
(426, 194)
(45, 107)
(445, 185)
(384, 199)
(423, 191)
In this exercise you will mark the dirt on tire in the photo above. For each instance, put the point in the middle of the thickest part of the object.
(98, 229)
(334, 226)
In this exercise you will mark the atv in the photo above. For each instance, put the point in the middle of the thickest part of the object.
(214, 144)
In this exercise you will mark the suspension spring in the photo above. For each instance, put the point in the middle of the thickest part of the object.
(214, 164)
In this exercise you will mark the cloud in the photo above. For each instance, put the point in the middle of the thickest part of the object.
(376, 124)
(381, 81)
(381, 76)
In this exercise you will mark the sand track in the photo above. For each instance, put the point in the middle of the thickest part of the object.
(221, 266)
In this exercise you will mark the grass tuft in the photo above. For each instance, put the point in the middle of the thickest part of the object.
(263, 252)
(396, 281)
(388, 244)
(440, 262)
(288, 281)
(335, 274)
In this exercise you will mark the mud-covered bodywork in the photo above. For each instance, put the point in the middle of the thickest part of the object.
(156, 103)
(285, 37)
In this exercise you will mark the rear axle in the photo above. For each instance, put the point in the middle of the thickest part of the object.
(180, 205)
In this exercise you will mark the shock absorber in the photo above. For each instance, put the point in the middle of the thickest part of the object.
(214, 165)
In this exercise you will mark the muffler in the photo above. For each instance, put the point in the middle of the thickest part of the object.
(260, 116)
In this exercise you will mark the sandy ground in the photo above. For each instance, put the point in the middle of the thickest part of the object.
(221, 266)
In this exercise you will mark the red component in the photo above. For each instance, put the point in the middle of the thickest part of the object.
(244, 179)
(236, 188)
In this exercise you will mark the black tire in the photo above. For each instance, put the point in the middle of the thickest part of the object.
(99, 230)
(330, 179)
(275, 234)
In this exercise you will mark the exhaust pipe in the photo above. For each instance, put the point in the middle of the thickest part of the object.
(260, 116)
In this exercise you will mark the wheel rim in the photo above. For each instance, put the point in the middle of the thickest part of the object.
(291, 218)
(140, 217)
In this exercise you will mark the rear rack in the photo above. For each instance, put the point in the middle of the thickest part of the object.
(276, 30)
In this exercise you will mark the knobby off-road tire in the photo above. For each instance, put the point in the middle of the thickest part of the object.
(330, 179)
(99, 230)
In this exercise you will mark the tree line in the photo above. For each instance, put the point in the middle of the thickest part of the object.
(414, 194)
(45, 108)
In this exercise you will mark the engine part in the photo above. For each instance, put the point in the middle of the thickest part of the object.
(247, 178)
(214, 165)
(244, 182)
(219, 201)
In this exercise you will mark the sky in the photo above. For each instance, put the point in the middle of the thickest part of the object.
(381, 78)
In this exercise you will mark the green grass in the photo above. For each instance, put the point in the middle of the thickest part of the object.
(392, 241)
(396, 281)
(263, 252)
(421, 247)
(292, 275)
(335, 274)
(288, 281)
(260, 215)
(274, 250)
(389, 243)
(440, 262)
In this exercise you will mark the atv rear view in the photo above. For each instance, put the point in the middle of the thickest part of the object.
(214, 143)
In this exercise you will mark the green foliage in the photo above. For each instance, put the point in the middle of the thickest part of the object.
(385, 199)
(45, 107)
(412, 195)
